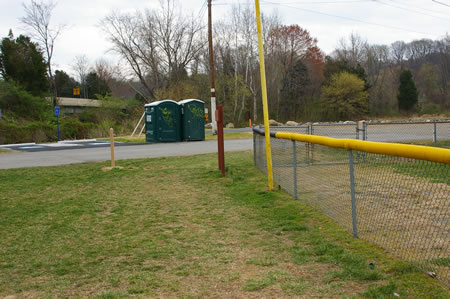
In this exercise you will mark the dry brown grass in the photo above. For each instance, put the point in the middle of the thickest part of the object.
(407, 215)
(169, 228)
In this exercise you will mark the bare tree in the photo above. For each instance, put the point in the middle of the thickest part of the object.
(37, 20)
(419, 49)
(124, 31)
(158, 45)
(352, 49)
(81, 68)
(398, 52)
(287, 45)
(105, 70)
(176, 36)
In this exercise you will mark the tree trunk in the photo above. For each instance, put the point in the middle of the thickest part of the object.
(255, 108)
(278, 104)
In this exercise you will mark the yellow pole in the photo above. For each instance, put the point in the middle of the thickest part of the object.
(264, 97)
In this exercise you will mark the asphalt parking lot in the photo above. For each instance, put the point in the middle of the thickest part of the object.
(63, 145)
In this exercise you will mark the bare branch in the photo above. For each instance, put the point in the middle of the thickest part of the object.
(37, 21)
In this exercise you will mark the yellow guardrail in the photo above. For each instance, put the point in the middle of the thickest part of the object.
(433, 154)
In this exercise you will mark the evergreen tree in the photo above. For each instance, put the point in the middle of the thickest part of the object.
(407, 95)
(96, 86)
(65, 84)
(21, 61)
(293, 90)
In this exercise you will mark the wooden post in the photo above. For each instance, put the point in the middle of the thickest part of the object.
(220, 142)
(111, 137)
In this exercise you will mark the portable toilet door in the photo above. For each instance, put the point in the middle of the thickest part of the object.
(193, 119)
(168, 121)
(150, 124)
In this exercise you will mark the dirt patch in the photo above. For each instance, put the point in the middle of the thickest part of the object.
(408, 215)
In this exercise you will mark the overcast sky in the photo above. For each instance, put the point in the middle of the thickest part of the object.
(380, 21)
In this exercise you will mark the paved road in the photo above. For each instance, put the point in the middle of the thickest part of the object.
(63, 145)
(94, 154)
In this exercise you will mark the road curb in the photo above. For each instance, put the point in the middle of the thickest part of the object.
(77, 141)
(17, 144)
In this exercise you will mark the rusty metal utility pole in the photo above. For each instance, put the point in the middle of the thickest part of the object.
(220, 143)
(211, 70)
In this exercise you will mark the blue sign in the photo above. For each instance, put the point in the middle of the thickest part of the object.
(57, 110)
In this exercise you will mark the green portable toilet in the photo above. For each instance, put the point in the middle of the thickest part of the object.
(193, 119)
(150, 130)
(163, 121)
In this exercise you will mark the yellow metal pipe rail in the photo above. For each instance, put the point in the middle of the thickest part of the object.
(428, 153)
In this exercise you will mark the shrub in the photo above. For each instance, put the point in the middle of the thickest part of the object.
(73, 128)
(17, 101)
(29, 132)
(430, 109)
(344, 97)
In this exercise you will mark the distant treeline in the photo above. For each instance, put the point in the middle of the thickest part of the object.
(165, 56)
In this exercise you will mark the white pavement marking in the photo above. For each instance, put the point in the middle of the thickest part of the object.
(30, 147)
(79, 140)
(17, 144)
(58, 145)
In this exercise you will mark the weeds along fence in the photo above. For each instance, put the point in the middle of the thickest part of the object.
(394, 195)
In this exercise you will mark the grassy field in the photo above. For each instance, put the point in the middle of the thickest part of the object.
(3, 151)
(231, 135)
(175, 228)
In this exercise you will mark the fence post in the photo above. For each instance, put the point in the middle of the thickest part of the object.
(358, 130)
(311, 151)
(352, 190)
(307, 145)
(294, 155)
(364, 130)
(254, 149)
(362, 127)
(435, 134)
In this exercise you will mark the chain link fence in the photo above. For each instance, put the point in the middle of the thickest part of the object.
(435, 133)
(432, 133)
(401, 204)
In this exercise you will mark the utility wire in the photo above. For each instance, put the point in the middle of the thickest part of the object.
(324, 2)
(440, 3)
(351, 19)
(408, 3)
(407, 9)
(202, 11)
(304, 2)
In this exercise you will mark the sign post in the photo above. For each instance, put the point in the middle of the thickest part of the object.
(57, 119)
